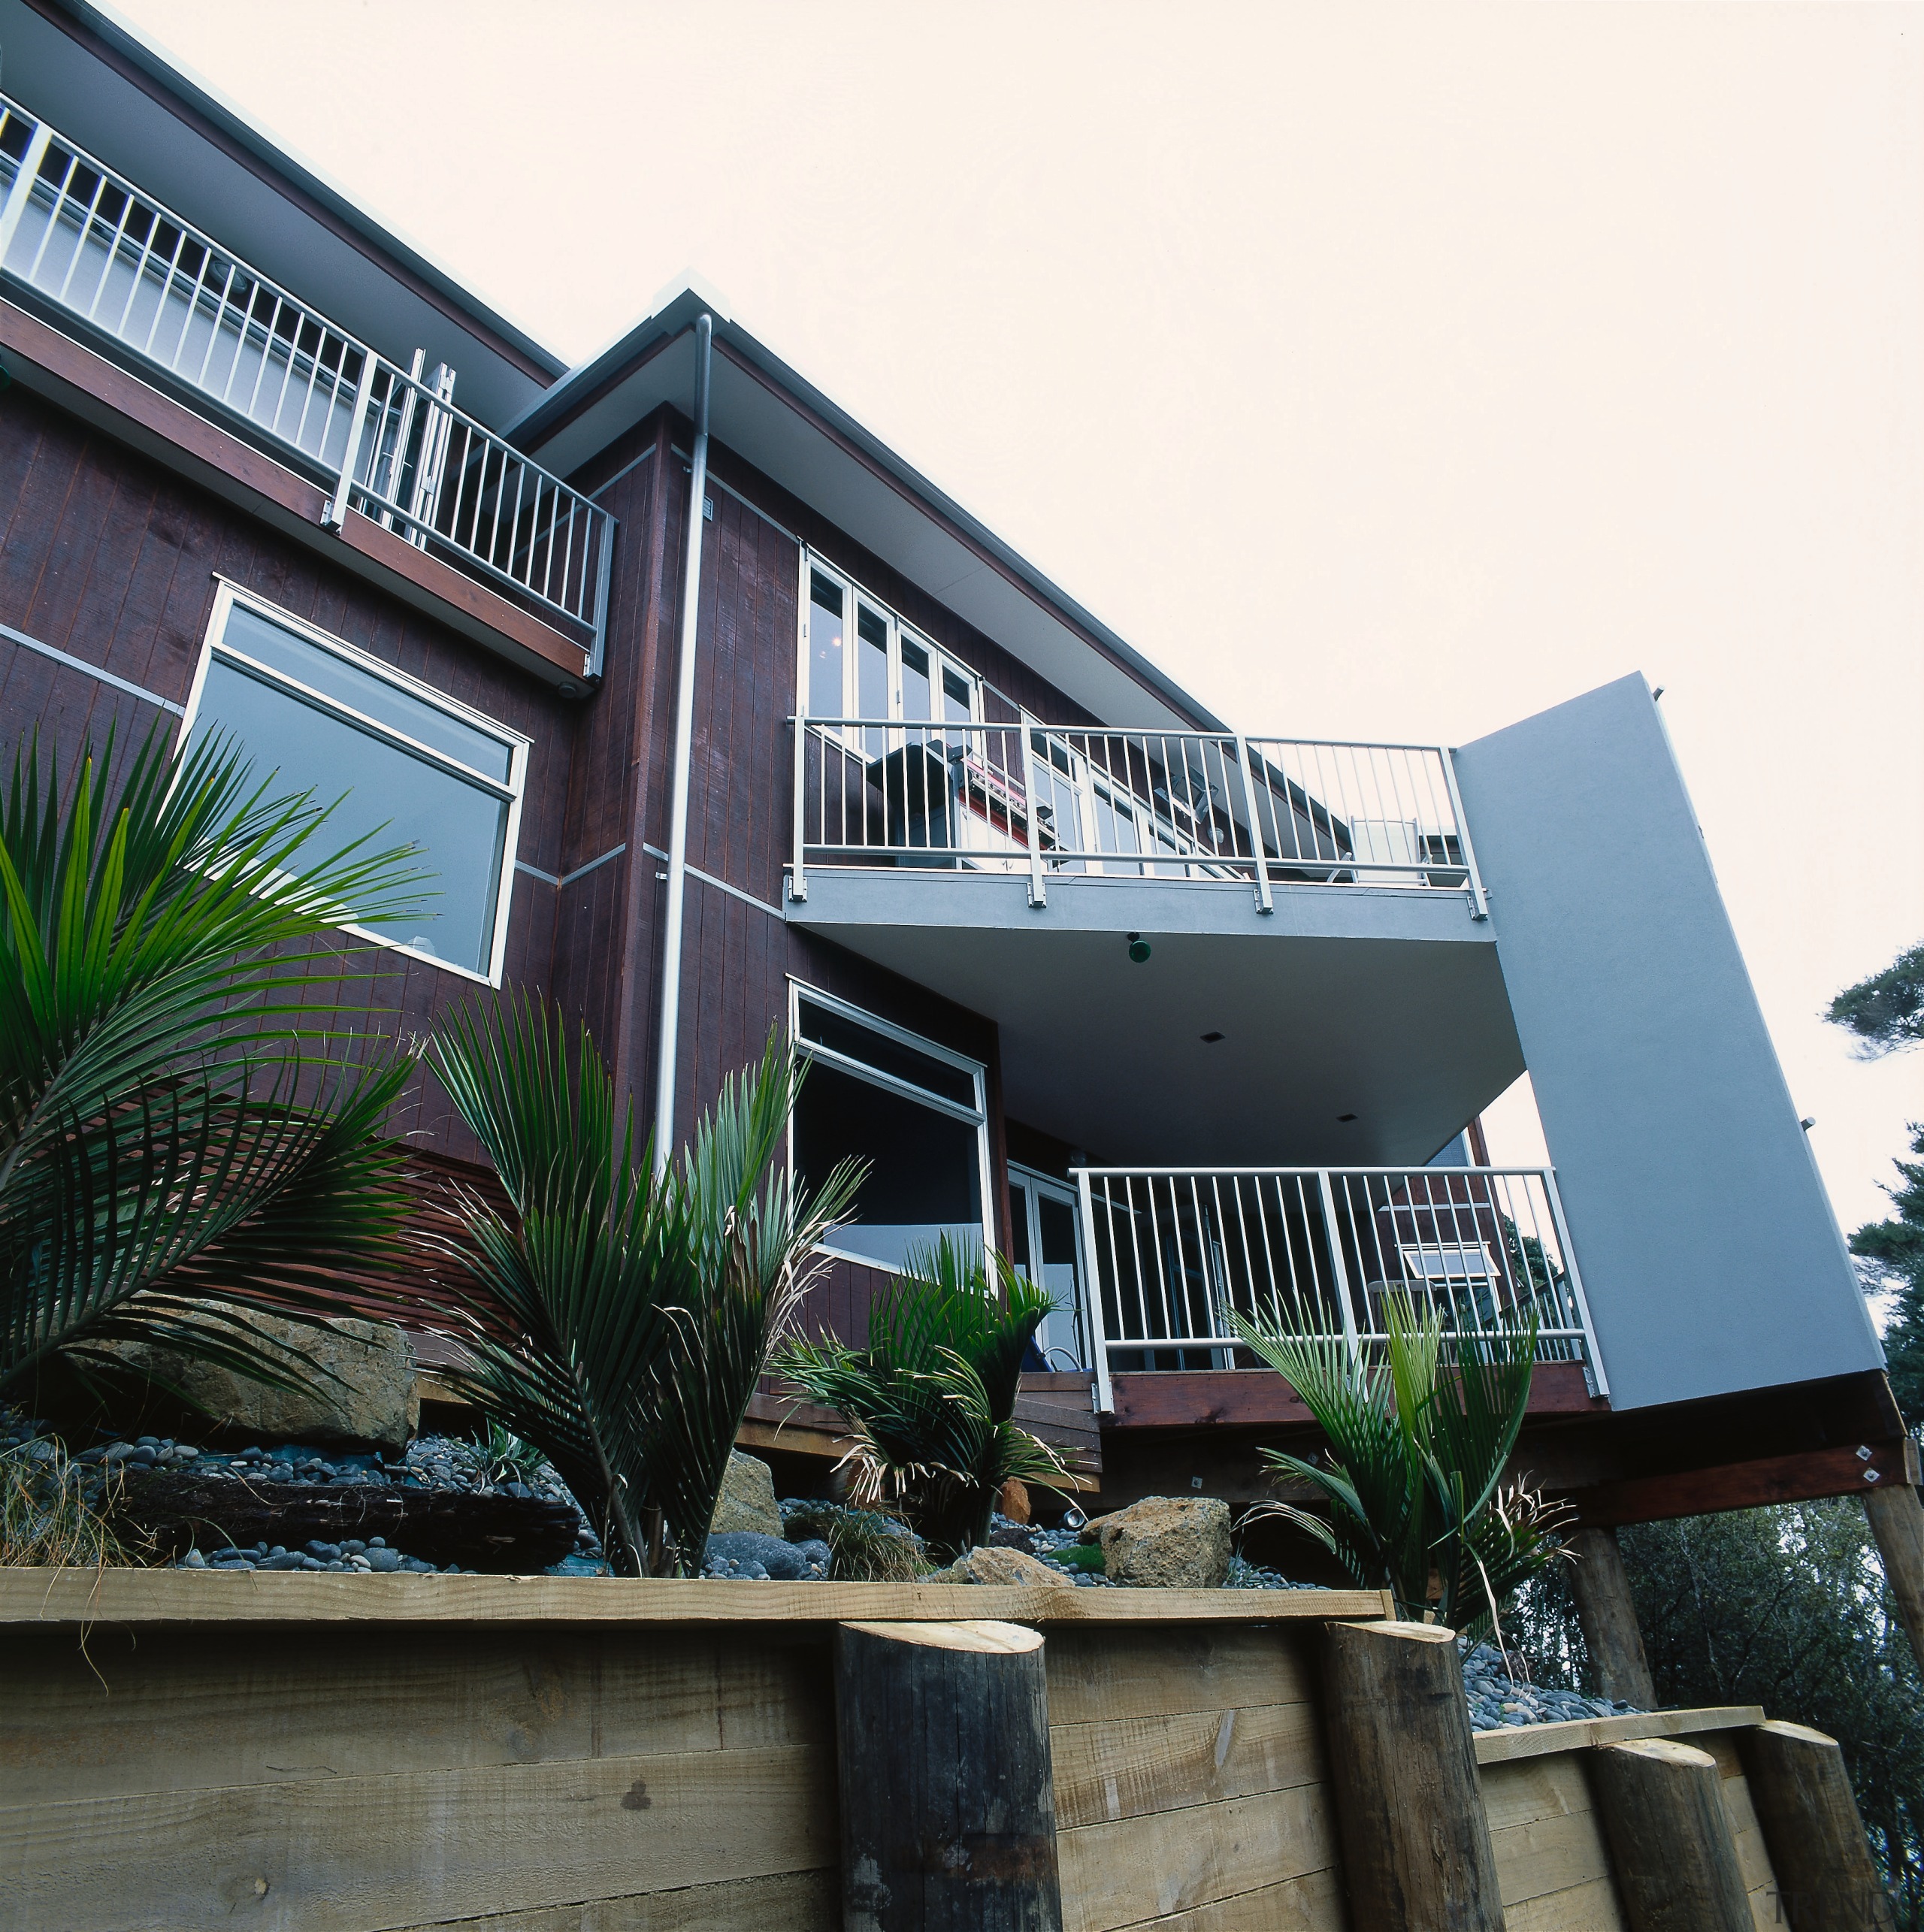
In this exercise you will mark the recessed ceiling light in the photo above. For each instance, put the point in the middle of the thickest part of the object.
(1346, 1116)
(1210, 1039)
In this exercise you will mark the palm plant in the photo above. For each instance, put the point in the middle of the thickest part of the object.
(188, 1132)
(618, 1320)
(1417, 1448)
(931, 1400)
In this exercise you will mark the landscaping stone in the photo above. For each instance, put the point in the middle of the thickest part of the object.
(986, 1564)
(747, 1501)
(1012, 1501)
(370, 1400)
(743, 1552)
(1179, 1543)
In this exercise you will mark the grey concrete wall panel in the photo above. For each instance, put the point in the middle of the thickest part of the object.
(1709, 1250)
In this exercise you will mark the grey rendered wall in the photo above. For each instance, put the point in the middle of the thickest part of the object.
(1708, 1248)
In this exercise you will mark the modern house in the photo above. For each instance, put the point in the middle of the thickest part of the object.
(714, 716)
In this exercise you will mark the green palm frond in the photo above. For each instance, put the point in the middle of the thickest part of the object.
(1411, 1485)
(191, 1127)
(930, 1400)
(620, 1320)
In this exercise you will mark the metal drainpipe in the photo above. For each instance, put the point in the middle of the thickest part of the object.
(678, 813)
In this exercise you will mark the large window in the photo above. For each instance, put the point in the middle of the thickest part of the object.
(912, 1110)
(410, 767)
(859, 659)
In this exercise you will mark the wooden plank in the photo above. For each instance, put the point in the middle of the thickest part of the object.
(1551, 1854)
(1509, 1741)
(1126, 1766)
(80, 1597)
(1804, 1477)
(368, 1854)
(1094, 1678)
(1198, 1398)
(1747, 1831)
(1313, 1903)
(1534, 1788)
(795, 1901)
(169, 1714)
(1173, 1861)
(1593, 1907)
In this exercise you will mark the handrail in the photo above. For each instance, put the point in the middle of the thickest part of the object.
(1147, 803)
(81, 240)
(1171, 1251)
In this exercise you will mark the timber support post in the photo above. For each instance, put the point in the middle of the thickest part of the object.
(1601, 1587)
(1670, 1838)
(1813, 1831)
(1417, 1855)
(947, 1788)
(1896, 1513)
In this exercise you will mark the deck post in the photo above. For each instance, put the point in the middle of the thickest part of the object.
(1417, 1852)
(1825, 1877)
(1604, 1608)
(1670, 1846)
(948, 1797)
(1896, 1514)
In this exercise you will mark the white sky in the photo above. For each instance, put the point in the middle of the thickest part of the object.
(1379, 371)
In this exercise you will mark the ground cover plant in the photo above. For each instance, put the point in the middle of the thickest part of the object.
(618, 1318)
(931, 1400)
(189, 1130)
(1412, 1481)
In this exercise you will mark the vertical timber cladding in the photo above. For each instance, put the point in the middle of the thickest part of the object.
(739, 952)
(112, 559)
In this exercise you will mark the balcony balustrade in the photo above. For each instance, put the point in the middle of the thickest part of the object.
(83, 245)
(1050, 801)
(1171, 1249)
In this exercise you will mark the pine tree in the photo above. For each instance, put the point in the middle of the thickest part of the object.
(1893, 1251)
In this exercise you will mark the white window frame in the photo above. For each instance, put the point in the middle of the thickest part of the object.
(899, 628)
(978, 1116)
(1038, 1185)
(229, 595)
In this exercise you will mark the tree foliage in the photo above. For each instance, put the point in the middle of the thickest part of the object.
(1413, 1478)
(619, 1319)
(1886, 1011)
(189, 1130)
(1892, 1251)
(931, 1399)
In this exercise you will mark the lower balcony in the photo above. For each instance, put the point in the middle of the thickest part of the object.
(1169, 1252)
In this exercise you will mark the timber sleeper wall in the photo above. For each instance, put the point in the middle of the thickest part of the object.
(538, 1755)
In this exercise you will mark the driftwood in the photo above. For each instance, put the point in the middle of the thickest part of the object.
(499, 1533)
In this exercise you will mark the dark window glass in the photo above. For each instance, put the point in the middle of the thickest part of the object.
(923, 1180)
(825, 634)
(457, 828)
(914, 680)
(850, 1038)
(872, 683)
(955, 696)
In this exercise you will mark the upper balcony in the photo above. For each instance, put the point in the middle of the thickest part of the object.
(1199, 946)
(87, 250)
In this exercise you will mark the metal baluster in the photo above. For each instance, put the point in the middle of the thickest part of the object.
(1038, 895)
(21, 192)
(1098, 1347)
(1333, 1236)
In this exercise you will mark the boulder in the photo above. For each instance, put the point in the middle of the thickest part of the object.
(747, 1501)
(1005, 1566)
(1013, 1501)
(360, 1377)
(1178, 1543)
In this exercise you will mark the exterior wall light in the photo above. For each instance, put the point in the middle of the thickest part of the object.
(1138, 947)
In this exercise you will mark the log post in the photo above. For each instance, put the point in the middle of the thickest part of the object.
(1417, 1855)
(947, 1798)
(1897, 1522)
(1601, 1587)
(1670, 1840)
(1824, 1873)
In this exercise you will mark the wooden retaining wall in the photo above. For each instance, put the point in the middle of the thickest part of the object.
(340, 1753)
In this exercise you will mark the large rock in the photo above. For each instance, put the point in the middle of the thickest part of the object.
(785, 1562)
(1175, 1543)
(360, 1377)
(747, 1501)
(1005, 1566)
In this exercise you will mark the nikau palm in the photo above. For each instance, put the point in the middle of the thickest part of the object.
(931, 1400)
(188, 1132)
(617, 1320)
(1417, 1447)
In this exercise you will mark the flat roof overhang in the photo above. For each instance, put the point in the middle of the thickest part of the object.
(1385, 1003)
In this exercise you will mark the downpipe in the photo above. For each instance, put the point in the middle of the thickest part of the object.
(678, 810)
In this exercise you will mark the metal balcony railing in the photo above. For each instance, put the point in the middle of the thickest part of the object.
(1049, 800)
(1171, 1249)
(85, 245)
